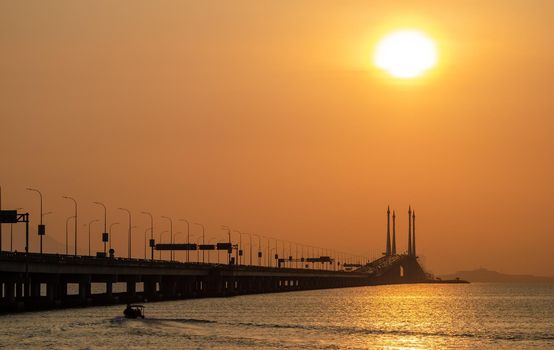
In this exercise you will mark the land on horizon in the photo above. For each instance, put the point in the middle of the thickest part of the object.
(485, 275)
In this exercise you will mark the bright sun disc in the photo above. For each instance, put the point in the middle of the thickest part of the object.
(406, 54)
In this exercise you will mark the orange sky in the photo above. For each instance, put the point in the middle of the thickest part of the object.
(268, 116)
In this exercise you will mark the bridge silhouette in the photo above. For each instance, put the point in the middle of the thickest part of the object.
(35, 281)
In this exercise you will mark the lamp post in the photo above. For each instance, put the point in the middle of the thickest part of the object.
(11, 237)
(41, 228)
(175, 239)
(1, 223)
(11, 232)
(105, 234)
(229, 251)
(203, 237)
(170, 235)
(259, 248)
(74, 202)
(290, 254)
(90, 223)
(268, 251)
(152, 242)
(276, 255)
(145, 241)
(250, 249)
(250, 235)
(43, 215)
(132, 227)
(129, 233)
(161, 235)
(312, 255)
(217, 251)
(197, 250)
(67, 234)
(110, 232)
(240, 252)
(302, 260)
(188, 235)
(282, 248)
(296, 255)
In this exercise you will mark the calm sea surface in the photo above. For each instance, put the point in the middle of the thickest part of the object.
(474, 316)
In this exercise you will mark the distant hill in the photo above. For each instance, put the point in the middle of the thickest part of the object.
(484, 275)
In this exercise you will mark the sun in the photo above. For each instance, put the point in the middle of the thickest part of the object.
(406, 54)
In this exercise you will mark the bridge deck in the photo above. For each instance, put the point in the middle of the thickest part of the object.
(40, 281)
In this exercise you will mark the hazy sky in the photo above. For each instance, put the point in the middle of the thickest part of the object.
(269, 117)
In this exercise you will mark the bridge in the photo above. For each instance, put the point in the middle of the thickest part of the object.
(36, 281)
(44, 281)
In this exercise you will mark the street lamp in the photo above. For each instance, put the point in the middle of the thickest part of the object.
(240, 252)
(75, 202)
(129, 233)
(175, 239)
(105, 234)
(67, 235)
(161, 235)
(110, 232)
(250, 249)
(268, 251)
(197, 248)
(302, 260)
(132, 227)
(90, 223)
(1, 223)
(259, 248)
(217, 251)
(11, 237)
(230, 250)
(152, 241)
(188, 235)
(170, 235)
(290, 254)
(276, 254)
(11, 232)
(296, 255)
(203, 237)
(41, 227)
(145, 241)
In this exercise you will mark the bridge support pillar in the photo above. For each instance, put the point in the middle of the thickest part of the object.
(131, 289)
(199, 287)
(35, 289)
(53, 289)
(187, 287)
(84, 289)
(19, 289)
(109, 290)
(10, 291)
(168, 287)
(150, 289)
(62, 288)
(215, 284)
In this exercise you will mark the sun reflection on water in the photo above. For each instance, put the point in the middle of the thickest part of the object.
(421, 316)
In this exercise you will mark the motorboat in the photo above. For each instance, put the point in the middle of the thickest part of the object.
(134, 311)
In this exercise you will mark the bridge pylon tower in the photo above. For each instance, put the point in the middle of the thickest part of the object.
(393, 248)
(388, 250)
(410, 230)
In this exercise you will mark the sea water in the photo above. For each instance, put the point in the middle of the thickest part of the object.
(419, 316)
